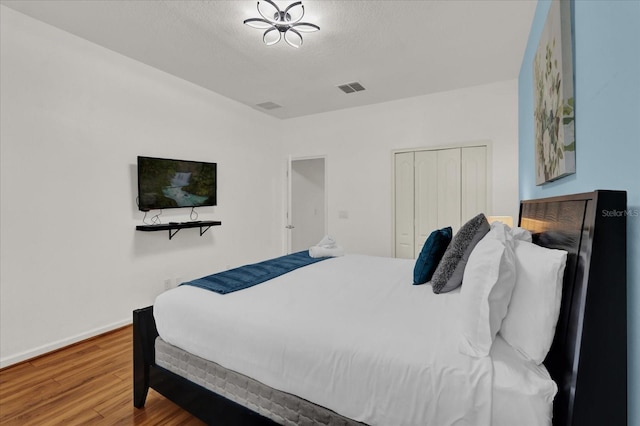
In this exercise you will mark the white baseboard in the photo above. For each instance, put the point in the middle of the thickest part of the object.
(41, 350)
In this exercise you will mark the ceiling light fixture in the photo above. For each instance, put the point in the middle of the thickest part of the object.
(282, 25)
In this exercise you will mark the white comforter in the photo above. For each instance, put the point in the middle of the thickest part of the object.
(351, 334)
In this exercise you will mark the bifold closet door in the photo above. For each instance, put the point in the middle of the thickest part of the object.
(449, 190)
(435, 189)
(404, 205)
(474, 182)
(426, 197)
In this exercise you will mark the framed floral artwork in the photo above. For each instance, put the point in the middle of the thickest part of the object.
(554, 107)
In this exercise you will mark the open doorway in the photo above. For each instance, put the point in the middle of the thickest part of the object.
(307, 204)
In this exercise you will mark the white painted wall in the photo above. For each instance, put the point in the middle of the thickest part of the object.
(74, 118)
(358, 144)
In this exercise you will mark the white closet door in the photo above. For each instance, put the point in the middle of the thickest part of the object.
(449, 191)
(474, 182)
(435, 189)
(404, 205)
(426, 196)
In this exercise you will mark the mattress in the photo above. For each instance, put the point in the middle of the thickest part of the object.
(353, 335)
(281, 407)
(522, 392)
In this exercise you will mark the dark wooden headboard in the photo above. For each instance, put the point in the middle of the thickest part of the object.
(588, 358)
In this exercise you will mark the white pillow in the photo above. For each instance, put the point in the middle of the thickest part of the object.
(488, 282)
(521, 234)
(531, 321)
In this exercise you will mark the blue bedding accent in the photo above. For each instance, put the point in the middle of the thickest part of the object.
(250, 275)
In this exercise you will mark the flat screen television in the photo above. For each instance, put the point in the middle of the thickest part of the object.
(165, 183)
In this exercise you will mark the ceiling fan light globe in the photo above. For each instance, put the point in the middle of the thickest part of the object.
(291, 18)
(271, 36)
(258, 23)
(293, 38)
(271, 12)
(305, 27)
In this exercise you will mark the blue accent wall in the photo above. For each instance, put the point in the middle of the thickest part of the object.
(607, 111)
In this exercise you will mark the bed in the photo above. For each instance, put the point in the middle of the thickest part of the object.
(586, 362)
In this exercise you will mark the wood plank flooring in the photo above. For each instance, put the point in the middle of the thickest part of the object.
(87, 383)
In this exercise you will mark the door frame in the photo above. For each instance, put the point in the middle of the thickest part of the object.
(288, 198)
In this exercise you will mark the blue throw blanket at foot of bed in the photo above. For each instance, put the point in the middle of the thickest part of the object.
(250, 275)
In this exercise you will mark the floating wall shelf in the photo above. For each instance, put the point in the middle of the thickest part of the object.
(173, 228)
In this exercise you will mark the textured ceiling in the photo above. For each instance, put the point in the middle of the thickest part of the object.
(396, 49)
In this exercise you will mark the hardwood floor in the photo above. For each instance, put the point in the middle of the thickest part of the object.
(87, 383)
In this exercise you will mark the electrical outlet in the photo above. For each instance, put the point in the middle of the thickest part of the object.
(167, 284)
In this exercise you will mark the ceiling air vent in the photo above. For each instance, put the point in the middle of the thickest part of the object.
(269, 105)
(351, 87)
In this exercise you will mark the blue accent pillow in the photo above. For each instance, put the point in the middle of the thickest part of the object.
(432, 251)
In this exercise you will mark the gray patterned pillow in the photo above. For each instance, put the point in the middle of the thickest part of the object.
(448, 274)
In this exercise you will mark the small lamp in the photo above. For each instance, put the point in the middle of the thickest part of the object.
(507, 220)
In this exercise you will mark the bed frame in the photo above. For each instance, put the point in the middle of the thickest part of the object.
(588, 358)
